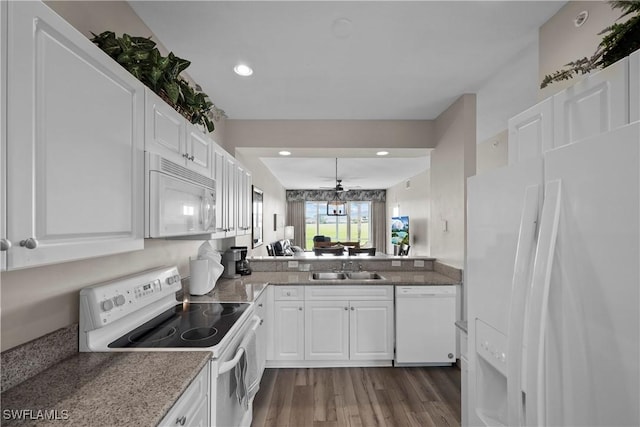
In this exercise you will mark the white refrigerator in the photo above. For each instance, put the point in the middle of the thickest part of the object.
(553, 277)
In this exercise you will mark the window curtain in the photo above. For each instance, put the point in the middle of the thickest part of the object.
(379, 225)
(295, 217)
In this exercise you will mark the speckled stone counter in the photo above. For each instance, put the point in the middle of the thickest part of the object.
(248, 288)
(104, 389)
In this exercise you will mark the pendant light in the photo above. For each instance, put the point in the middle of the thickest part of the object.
(337, 207)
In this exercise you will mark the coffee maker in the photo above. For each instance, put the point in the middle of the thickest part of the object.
(242, 265)
(235, 262)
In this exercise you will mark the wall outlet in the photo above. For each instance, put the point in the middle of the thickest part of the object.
(292, 264)
(418, 263)
(396, 263)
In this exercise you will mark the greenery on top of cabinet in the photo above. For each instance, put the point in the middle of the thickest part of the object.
(141, 57)
(622, 40)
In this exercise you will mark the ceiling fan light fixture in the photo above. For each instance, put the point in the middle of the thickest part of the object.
(336, 207)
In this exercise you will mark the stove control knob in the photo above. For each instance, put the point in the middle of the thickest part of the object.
(119, 300)
(106, 305)
(169, 280)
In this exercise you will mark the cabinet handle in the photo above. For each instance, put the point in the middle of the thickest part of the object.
(181, 421)
(346, 308)
(186, 156)
(353, 308)
(261, 322)
(30, 243)
(259, 305)
(300, 308)
(191, 158)
(5, 244)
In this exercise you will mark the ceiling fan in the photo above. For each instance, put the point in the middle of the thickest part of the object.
(338, 188)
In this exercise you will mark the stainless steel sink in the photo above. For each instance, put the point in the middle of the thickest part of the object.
(328, 275)
(364, 275)
(351, 275)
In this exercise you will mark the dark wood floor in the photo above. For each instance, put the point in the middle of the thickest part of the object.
(358, 397)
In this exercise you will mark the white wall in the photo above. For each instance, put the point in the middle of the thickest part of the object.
(412, 201)
(492, 153)
(37, 301)
(274, 203)
(452, 161)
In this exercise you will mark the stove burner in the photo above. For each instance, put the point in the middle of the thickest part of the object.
(198, 334)
(187, 308)
(151, 335)
(230, 309)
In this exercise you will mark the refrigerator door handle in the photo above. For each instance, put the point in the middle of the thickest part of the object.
(538, 304)
(520, 288)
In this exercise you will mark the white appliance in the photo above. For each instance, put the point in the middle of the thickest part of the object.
(178, 201)
(553, 287)
(425, 325)
(141, 313)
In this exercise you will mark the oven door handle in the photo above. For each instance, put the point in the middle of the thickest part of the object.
(229, 365)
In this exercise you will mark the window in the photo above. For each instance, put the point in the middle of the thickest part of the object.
(354, 227)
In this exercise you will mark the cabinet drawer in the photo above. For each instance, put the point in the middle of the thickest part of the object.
(351, 293)
(189, 406)
(283, 293)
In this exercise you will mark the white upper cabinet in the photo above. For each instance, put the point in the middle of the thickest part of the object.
(169, 134)
(531, 132)
(594, 105)
(199, 149)
(243, 200)
(224, 174)
(75, 139)
(634, 87)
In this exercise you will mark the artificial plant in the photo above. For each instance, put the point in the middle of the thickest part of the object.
(621, 39)
(141, 57)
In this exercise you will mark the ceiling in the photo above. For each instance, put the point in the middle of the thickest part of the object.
(343, 60)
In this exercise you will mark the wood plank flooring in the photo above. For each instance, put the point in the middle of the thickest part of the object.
(332, 397)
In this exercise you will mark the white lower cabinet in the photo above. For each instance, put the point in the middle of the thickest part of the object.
(347, 324)
(326, 332)
(261, 333)
(289, 330)
(192, 408)
(371, 330)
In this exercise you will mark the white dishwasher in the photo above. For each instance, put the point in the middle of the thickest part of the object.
(425, 325)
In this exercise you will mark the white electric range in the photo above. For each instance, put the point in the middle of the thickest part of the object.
(140, 313)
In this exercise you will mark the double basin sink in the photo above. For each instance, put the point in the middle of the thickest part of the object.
(347, 275)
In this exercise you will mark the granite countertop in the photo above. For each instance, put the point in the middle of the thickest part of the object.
(105, 389)
(248, 288)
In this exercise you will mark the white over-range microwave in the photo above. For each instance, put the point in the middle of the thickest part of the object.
(178, 201)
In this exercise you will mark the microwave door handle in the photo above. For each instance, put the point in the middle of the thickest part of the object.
(210, 210)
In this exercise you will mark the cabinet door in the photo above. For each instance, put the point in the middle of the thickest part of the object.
(261, 333)
(243, 197)
(229, 196)
(75, 180)
(371, 330)
(289, 330)
(198, 151)
(219, 177)
(4, 242)
(326, 330)
(531, 132)
(165, 129)
(634, 87)
(594, 105)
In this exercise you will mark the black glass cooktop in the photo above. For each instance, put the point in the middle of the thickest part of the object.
(185, 325)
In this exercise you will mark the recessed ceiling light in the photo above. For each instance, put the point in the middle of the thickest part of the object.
(284, 153)
(243, 70)
(382, 153)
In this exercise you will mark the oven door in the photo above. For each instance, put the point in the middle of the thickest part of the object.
(227, 410)
(178, 207)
